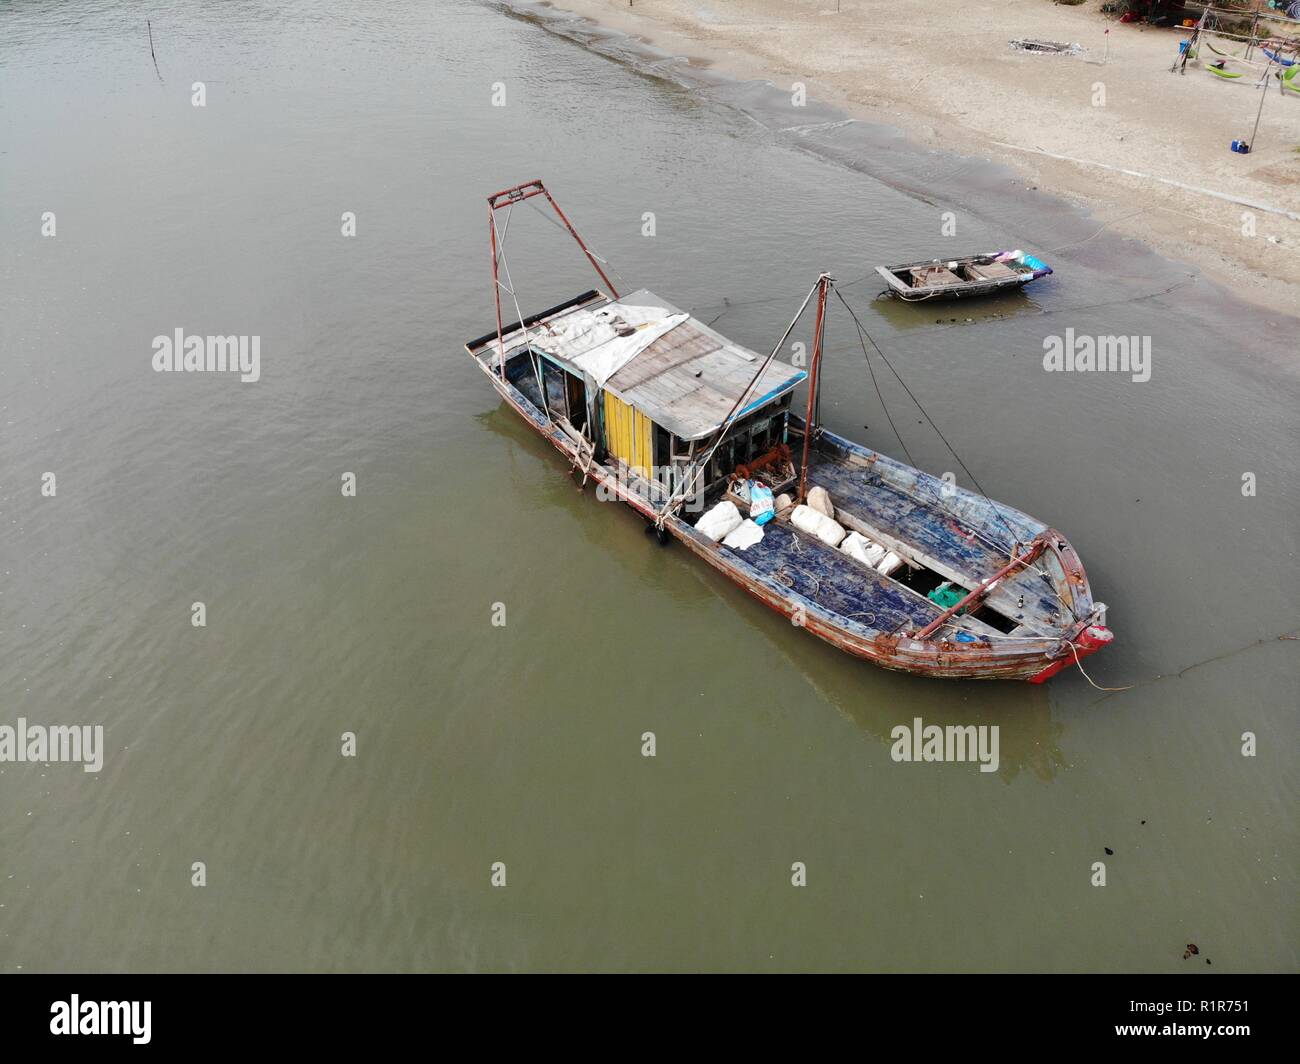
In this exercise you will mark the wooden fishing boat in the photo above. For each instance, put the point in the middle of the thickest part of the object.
(974, 275)
(666, 415)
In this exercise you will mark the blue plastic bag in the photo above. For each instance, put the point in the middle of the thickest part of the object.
(762, 507)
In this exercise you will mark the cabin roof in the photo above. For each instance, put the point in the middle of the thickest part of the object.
(690, 377)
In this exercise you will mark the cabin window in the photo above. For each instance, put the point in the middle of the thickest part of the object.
(742, 446)
(565, 392)
(663, 446)
(747, 441)
(663, 453)
(556, 391)
(723, 460)
(521, 371)
(726, 456)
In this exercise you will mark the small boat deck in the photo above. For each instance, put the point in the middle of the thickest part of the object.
(959, 278)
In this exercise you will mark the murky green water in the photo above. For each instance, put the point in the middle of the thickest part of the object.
(478, 744)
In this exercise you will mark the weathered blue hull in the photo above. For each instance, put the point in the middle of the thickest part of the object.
(960, 535)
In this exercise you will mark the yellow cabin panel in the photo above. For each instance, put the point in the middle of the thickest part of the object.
(629, 435)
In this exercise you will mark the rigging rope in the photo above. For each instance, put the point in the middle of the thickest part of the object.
(551, 221)
(519, 314)
(997, 512)
(883, 405)
(700, 466)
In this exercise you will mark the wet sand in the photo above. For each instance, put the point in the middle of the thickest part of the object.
(947, 77)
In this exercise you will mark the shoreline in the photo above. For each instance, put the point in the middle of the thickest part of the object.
(1156, 179)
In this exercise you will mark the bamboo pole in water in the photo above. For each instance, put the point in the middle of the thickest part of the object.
(153, 55)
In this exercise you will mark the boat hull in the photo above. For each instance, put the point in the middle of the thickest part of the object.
(1030, 659)
(1031, 270)
(970, 290)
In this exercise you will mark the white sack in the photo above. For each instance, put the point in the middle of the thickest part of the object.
(890, 564)
(817, 524)
(820, 500)
(722, 520)
(745, 534)
(856, 545)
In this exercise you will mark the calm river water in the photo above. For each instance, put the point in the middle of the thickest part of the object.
(475, 744)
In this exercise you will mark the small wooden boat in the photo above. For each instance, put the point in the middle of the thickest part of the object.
(665, 414)
(975, 275)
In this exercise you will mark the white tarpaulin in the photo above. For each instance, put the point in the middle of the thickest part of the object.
(743, 536)
(601, 342)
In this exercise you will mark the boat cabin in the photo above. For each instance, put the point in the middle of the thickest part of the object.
(646, 388)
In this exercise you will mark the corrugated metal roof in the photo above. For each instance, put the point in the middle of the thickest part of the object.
(689, 379)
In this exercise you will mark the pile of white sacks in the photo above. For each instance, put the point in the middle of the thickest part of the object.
(817, 518)
(724, 522)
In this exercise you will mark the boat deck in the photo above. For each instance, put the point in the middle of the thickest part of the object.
(863, 495)
(933, 535)
(835, 581)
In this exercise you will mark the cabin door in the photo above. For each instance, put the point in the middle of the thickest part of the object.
(628, 435)
(576, 399)
(566, 394)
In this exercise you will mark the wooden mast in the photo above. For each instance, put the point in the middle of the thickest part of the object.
(496, 286)
(814, 374)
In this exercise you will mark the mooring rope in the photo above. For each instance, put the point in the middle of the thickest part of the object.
(1077, 662)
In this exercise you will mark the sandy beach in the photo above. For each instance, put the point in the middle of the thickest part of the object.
(1134, 134)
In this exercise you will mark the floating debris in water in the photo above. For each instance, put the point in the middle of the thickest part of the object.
(1190, 951)
(1036, 47)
